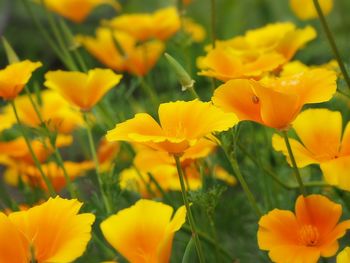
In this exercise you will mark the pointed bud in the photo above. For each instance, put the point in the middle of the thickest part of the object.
(10, 53)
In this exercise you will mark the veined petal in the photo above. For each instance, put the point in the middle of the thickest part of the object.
(302, 156)
(238, 96)
(14, 247)
(318, 211)
(323, 141)
(336, 172)
(55, 229)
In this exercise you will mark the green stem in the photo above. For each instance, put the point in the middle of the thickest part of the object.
(35, 159)
(61, 43)
(95, 159)
(188, 209)
(210, 241)
(242, 181)
(149, 91)
(46, 36)
(57, 154)
(213, 22)
(295, 167)
(332, 42)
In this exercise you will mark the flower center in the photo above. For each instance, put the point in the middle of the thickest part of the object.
(309, 235)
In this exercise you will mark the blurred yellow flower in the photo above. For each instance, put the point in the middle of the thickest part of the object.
(54, 231)
(258, 100)
(144, 232)
(306, 235)
(257, 52)
(77, 10)
(182, 124)
(82, 90)
(54, 173)
(56, 112)
(295, 67)
(17, 149)
(161, 25)
(344, 256)
(320, 131)
(106, 153)
(194, 30)
(305, 9)
(132, 57)
(14, 77)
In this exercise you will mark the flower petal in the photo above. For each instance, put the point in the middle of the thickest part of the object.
(336, 172)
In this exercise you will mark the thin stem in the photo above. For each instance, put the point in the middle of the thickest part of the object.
(149, 91)
(57, 154)
(95, 159)
(188, 209)
(35, 159)
(295, 167)
(209, 240)
(332, 42)
(213, 22)
(242, 181)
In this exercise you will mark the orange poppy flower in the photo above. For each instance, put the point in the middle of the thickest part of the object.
(321, 144)
(55, 173)
(144, 232)
(54, 231)
(313, 231)
(305, 9)
(182, 124)
(17, 149)
(77, 10)
(132, 57)
(82, 90)
(256, 53)
(275, 102)
(161, 25)
(14, 77)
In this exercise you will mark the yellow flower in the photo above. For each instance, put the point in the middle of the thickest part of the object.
(344, 256)
(320, 131)
(195, 30)
(132, 57)
(295, 67)
(143, 233)
(182, 124)
(305, 9)
(258, 100)
(257, 52)
(53, 230)
(14, 77)
(55, 111)
(161, 25)
(106, 154)
(313, 231)
(77, 10)
(83, 90)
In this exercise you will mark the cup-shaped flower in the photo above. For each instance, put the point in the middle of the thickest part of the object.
(182, 124)
(256, 53)
(161, 25)
(53, 231)
(322, 142)
(344, 256)
(15, 76)
(77, 10)
(275, 102)
(305, 9)
(82, 90)
(143, 233)
(313, 231)
(129, 56)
